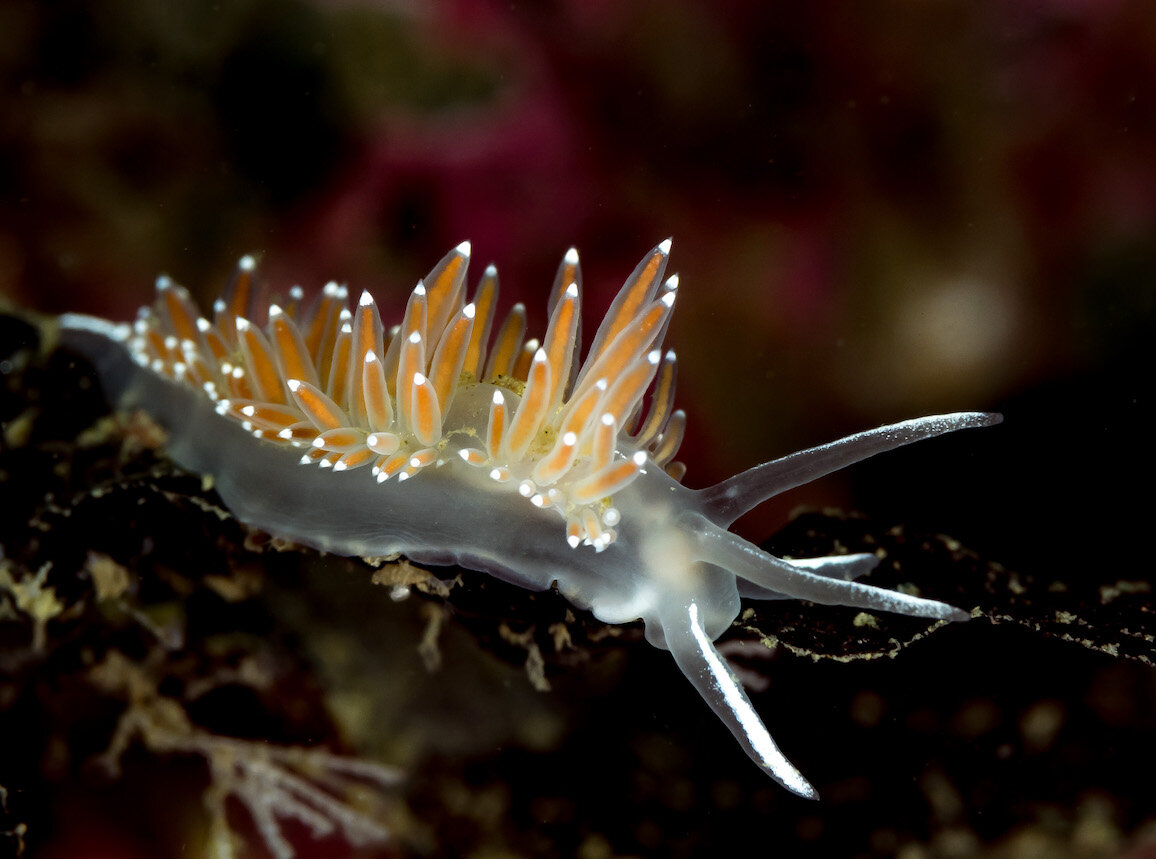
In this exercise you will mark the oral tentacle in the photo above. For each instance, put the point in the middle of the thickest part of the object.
(709, 673)
(844, 567)
(725, 502)
(750, 563)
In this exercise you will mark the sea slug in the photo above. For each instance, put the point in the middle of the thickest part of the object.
(450, 443)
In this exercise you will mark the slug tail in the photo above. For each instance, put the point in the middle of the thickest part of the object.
(81, 326)
(725, 502)
(104, 344)
(706, 669)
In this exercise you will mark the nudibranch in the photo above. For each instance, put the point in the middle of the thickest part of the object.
(451, 443)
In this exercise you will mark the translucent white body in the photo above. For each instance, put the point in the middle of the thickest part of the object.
(674, 563)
